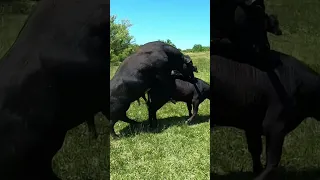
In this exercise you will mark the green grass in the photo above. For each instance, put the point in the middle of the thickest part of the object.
(82, 158)
(9, 29)
(230, 159)
(176, 152)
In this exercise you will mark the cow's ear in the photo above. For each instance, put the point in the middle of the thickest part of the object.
(249, 2)
(246, 2)
(187, 59)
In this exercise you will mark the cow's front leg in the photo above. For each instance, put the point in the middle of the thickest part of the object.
(273, 127)
(255, 148)
(189, 108)
(274, 150)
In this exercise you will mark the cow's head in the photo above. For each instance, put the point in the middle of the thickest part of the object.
(188, 68)
(185, 72)
(249, 25)
(272, 24)
(188, 64)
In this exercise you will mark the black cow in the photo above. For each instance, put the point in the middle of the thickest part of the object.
(245, 98)
(55, 76)
(184, 91)
(243, 22)
(151, 64)
(272, 24)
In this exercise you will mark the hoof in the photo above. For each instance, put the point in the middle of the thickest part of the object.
(115, 137)
(154, 130)
(188, 122)
(135, 122)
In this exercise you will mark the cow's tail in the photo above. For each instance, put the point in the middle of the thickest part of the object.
(149, 98)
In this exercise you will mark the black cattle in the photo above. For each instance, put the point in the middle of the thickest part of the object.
(55, 76)
(151, 64)
(272, 24)
(245, 98)
(243, 23)
(239, 33)
(184, 91)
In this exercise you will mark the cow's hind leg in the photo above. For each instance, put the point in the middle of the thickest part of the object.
(155, 104)
(255, 148)
(273, 128)
(40, 166)
(195, 111)
(153, 122)
(47, 172)
(189, 108)
(51, 175)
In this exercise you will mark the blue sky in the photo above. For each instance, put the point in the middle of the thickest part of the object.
(184, 22)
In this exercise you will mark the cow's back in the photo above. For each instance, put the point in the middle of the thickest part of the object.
(240, 90)
(140, 70)
(55, 69)
(61, 39)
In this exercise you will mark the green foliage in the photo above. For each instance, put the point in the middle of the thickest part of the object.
(121, 42)
(198, 48)
(168, 41)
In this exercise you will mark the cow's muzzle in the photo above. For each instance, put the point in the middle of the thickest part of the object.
(195, 69)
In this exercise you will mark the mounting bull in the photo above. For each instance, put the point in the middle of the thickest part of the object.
(153, 63)
(55, 76)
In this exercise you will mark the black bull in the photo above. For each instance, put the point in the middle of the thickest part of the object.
(151, 64)
(243, 97)
(54, 77)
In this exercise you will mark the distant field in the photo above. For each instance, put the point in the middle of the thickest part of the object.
(177, 152)
(300, 22)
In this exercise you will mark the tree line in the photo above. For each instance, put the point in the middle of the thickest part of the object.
(122, 44)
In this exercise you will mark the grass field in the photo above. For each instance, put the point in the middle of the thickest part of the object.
(230, 159)
(177, 152)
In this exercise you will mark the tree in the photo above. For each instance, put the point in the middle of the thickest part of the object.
(168, 41)
(121, 42)
(197, 48)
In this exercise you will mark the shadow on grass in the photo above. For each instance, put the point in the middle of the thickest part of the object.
(282, 174)
(163, 124)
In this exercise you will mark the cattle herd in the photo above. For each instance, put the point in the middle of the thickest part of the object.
(55, 77)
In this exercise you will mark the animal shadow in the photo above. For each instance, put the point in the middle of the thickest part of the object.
(163, 124)
(281, 174)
